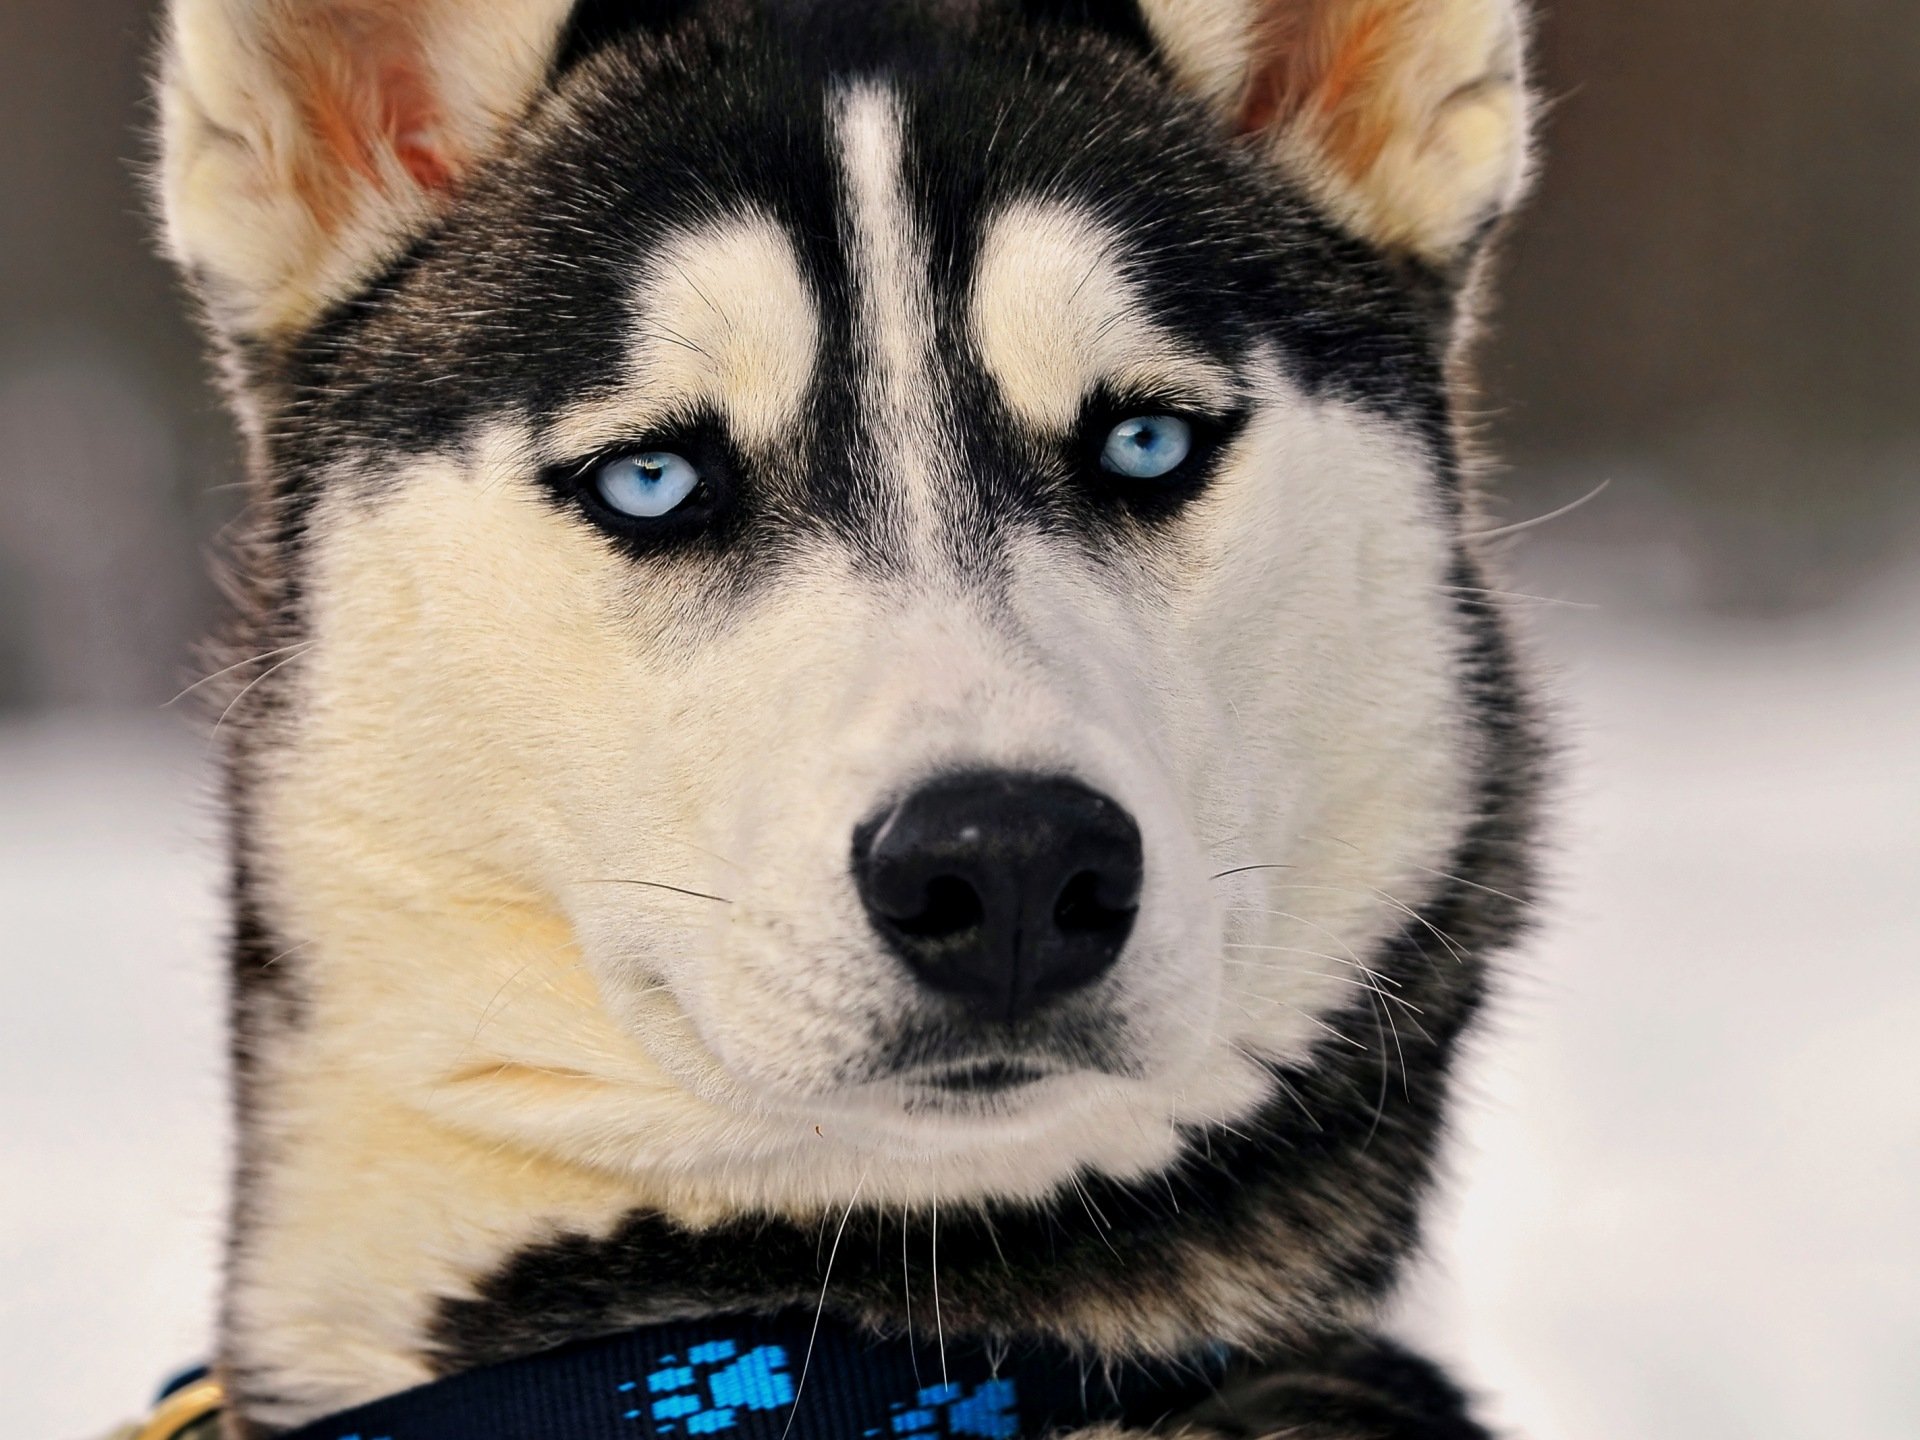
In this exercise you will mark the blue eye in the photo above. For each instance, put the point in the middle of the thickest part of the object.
(1147, 446)
(646, 486)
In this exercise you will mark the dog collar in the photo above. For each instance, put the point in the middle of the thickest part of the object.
(780, 1378)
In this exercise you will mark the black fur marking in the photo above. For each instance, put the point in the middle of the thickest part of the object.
(546, 243)
(1075, 1032)
(597, 24)
(1345, 1388)
(987, 1077)
(1120, 19)
(516, 303)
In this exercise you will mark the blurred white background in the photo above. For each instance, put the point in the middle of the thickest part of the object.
(1688, 1186)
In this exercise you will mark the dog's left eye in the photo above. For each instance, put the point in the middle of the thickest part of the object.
(1147, 447)
(646, 486)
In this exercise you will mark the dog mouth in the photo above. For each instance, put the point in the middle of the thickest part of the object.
(981, 1077)
(986, 1087)
(959, 1056)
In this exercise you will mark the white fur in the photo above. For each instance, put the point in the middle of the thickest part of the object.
(501, 714)
(1206, 41)
(506, 733)
(891, 275)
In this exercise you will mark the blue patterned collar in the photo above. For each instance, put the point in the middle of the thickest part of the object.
(782, 1378)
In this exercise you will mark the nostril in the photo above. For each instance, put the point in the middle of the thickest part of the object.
(1081, 910)
(950, 907)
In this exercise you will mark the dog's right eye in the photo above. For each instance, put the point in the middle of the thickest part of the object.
(645, 486)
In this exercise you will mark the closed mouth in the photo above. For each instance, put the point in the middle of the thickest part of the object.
(983, 1077)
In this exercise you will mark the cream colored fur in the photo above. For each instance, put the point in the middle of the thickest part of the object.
(722, 319)
(1054, 316)
(501, 720)
(505, 735)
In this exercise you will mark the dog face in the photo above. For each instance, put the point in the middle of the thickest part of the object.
(858, 607)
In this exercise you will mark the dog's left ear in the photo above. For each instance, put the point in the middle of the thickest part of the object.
(304, 141)
(1407, 120)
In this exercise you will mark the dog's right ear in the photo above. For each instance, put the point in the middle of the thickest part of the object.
(304, 142)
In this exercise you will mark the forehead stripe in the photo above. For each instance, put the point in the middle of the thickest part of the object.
(891, 274)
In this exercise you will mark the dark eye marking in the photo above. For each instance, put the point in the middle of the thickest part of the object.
(666, 488)
(1149, 454)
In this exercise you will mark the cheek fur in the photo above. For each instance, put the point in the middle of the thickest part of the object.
(1312, 601)
(651, 836)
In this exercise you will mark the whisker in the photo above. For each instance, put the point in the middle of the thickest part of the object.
(820, 1309)
(1306, 1015)
(939, 1326)
(1427, 870)
(1517, 595)
(290, 951)
(1475, 885)
(237, 665)
(1093, 1213)
(1296, 950)
(1381, 1012)
(1311, 925)
(1586, 499)
(1249, 869)
(486, 1011)
(906, 1287)
(1287, 1089)
(248, 687)
(1379, 1101)
(1458, 951)
(1358, 965)
(1372, 987)
(660, 885)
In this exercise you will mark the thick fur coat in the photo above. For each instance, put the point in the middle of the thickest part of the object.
(556, 1008)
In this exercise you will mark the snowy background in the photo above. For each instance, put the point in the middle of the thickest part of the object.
(1689, 1172)
(1688, 1182)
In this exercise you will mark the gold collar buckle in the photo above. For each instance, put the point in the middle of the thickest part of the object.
(182, 1414)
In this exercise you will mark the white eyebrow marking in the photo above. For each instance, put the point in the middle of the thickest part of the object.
(723, 317)
(1054, 315)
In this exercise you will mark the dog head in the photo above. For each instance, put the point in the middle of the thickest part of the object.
(841, 602)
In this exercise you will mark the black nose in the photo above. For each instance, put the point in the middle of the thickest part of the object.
(1002, 890)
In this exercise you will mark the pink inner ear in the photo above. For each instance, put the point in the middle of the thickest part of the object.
(364, 93)
(1323, 61)
(411, 123)
(1280, 71)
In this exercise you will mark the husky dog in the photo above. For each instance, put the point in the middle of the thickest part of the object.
(859, 621)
